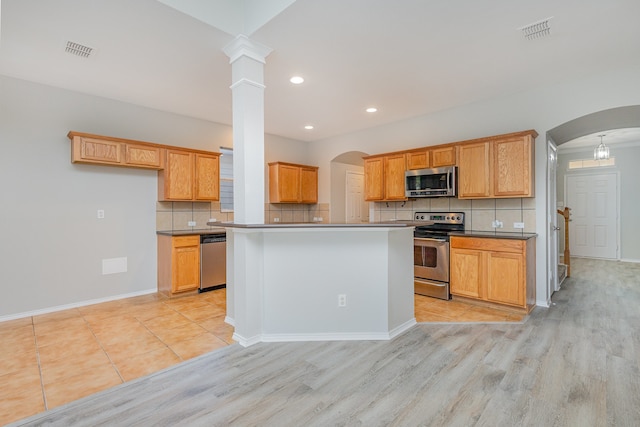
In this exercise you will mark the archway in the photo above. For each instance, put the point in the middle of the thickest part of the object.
(346, 163)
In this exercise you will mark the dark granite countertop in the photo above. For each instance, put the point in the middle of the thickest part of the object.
(192, 232)
(495, 234)
(318, 225)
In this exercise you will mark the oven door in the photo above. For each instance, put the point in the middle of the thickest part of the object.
(431, 259)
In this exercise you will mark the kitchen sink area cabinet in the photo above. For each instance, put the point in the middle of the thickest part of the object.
(178, 264)
(189, 176)
(494, 270)
(293, 183)
(384, 177)
(497, 167)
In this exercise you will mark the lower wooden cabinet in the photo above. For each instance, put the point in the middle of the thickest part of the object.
(500, 271)
(178, 264)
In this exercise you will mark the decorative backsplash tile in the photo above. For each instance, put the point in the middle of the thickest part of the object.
(479, 214)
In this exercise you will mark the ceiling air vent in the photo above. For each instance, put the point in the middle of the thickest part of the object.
(78, 49)
(537, 29)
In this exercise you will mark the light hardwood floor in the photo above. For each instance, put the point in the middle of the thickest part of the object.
(576, 363)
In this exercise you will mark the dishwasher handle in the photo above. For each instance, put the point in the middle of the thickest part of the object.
(213, 238)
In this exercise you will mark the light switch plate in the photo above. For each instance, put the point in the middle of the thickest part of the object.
(518, 225)
(191, 223)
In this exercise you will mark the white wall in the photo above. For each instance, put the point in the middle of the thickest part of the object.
(541, 109)
(52, 244)
(627, 160)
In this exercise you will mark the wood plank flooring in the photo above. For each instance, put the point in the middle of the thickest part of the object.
(576, 363)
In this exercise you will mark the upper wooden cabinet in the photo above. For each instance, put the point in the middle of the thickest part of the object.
(189, 176)
(498, 167)
(431, 158)
(443, 156)
(293, 183)
(418, 159)
(101, 150)
(384, 177)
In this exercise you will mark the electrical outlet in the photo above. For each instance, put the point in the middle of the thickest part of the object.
(342, 300)
(100, 214)
(191, 223)
(518, 225)
(276, 219)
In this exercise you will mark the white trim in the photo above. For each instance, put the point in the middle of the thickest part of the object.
(244, 46)
(247, 82)
(229, 321)
(545, 304)
(327, 336)
(75, 305)
(630, 260)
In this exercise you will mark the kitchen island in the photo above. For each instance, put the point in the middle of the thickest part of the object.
(310, 282)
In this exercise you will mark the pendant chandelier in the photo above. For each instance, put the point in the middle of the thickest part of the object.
(601, 152)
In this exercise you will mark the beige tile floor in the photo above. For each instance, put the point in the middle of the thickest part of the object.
(53, 359)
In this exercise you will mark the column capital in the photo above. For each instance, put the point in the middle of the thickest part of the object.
(243, 46)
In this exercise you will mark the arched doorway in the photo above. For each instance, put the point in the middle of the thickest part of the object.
(347, 171)
(569, 134)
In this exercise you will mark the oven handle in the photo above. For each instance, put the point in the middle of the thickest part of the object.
(430, 239)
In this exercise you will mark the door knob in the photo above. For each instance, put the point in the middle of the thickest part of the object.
(556, 228)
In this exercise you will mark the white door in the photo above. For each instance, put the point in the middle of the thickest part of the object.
(552, 218)
(593, 200)
(356, 210)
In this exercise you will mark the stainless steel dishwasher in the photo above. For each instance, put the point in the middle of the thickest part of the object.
(213, 262)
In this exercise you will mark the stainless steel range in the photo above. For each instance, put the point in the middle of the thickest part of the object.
(431, 251)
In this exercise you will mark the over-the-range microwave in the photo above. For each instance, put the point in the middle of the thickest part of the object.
(437, 182)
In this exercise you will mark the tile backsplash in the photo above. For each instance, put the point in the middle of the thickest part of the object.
(177, 215)
(479, 214)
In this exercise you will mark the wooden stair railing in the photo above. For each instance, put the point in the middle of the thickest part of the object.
(567, 253)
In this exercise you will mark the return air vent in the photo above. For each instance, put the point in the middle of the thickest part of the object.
(78, 49)
(537, 29)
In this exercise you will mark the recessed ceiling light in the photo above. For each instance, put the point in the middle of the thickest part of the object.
(371, 110)
(308, 127)
(296, 80)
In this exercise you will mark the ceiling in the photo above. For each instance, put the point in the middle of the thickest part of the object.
(405, 57)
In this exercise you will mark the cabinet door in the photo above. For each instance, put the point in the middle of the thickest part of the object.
(178, 175)
(288, 183)
(513, 167)
(443, 157)
(474, 171)
(308, 185)
(374, 179)
(394, 168)
(207, 177)
(89, 150)
(185, 260)
(418, 160)
(143, 156)
(505, 283)
(467, 272)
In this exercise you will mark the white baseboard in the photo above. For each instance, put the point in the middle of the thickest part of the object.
(229, 321)
(75, 305)
(630, 260)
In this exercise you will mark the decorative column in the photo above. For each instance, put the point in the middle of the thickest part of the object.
(244, 250)
(247, 60)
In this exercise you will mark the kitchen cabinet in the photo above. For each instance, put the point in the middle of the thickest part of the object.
(494, 270)
(189, 176)
(101, 150)
(431, 158)
(497, 167)
(474, 170)
(418, 159)
(443, 156)
(293, 183)
(178, 264)
(384, 177)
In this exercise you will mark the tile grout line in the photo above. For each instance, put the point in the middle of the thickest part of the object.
(35, 342)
